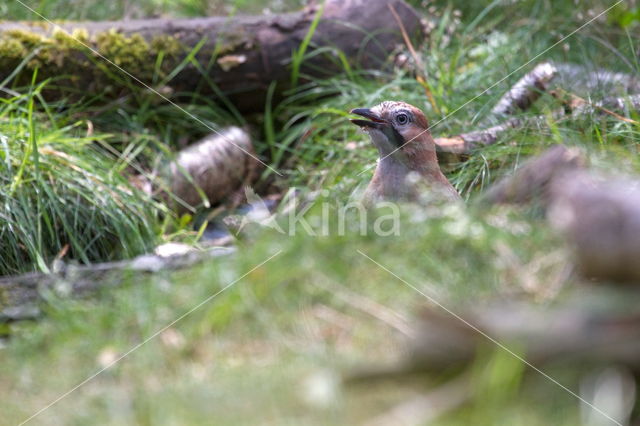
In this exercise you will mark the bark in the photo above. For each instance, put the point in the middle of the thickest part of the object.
(240, 57)
(210, 171)
(424, 409)
(531, 182)
(526, 91)
(611, 106)
(588, 330)
(601, 220)
(622, 104)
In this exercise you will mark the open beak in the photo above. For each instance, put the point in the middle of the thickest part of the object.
(374, 121)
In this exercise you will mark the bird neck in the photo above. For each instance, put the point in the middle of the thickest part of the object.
(418, 155)
(392, 178)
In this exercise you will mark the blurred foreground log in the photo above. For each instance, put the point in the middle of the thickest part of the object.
(577, 332)
(236, 56)
(601, 220)
(600, 327)
(589, 333)
(599, 217)
(531, 182)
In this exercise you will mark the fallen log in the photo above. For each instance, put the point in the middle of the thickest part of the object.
(20, 296)
(580, 107)
(529, 88)
(238, 57)
(588, 330)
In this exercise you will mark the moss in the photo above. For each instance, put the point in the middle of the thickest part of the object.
(131, 53)
(11, 48)
(39, 24)
(167, 44)
(4, 300)
(74, 40)
(62, 54)
(11, 52)
(53, 56)
(28, 38)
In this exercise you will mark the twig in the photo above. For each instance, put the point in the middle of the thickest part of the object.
(422, 79)
(370, 307)
(580, 106)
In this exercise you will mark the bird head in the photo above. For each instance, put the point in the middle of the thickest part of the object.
(395, 127)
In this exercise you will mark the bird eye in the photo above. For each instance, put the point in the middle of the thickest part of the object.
(402, 118)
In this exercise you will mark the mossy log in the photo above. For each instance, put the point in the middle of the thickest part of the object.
(236, 56)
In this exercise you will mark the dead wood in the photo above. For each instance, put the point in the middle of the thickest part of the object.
(599, 217)
(210, 171)
(459, 147)
(610, 106)
(589, 329)
(20, 296)
(621, 104)
(239, 57)
(575, 334)
(529, 88)
(531, 182)
(586, 81)
(601, 220)
(526, 91)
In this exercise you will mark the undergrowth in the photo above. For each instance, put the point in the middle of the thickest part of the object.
(63, 193)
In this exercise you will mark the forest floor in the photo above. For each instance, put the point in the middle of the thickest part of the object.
(266, 335)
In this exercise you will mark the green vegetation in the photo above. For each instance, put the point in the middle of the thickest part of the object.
(62, 190)
(269, 349)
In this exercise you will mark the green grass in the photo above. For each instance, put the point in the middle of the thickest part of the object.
(259, 343)
(62, 190)
(261, 351)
